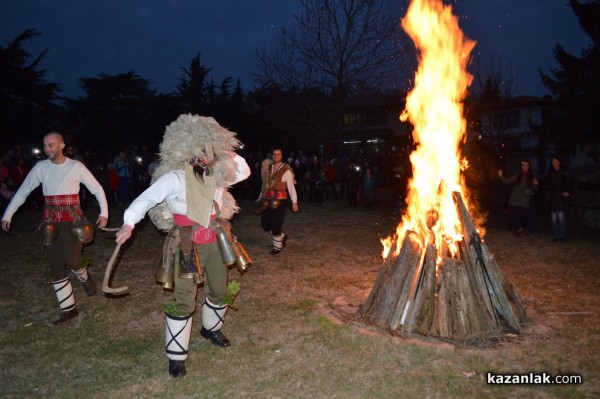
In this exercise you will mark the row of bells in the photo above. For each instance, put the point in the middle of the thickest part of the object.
(47, 232)
(232, 252)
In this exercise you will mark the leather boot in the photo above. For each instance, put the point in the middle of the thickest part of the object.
(89, 286)
(177, 368)
(216, 337)
(85, 277)
(66, 316)
(212, 321)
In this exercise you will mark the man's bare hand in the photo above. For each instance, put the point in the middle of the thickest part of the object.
(124, 233)
(101, 222)
(5, 225)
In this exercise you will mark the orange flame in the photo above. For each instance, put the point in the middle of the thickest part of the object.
(434, 107)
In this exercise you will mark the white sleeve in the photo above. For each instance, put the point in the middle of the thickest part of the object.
(167, 184)
(242, 171)
(288, 178)
(30, 183)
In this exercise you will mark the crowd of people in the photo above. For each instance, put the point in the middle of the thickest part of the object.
(125, 173)
(319, 179)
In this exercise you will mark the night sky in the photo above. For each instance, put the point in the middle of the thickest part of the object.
(158, 37)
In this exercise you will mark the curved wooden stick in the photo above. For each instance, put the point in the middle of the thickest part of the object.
(110, 228)
(105, 287)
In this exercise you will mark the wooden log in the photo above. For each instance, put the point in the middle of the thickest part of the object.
(459, 315)
(484, 271)
(511, 291)
(422, 318)
(372, 302)
(382, 305)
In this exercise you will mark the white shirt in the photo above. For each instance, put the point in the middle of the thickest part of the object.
(170, 187)
(57, 179)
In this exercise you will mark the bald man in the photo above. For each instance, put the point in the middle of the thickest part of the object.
(60, 178)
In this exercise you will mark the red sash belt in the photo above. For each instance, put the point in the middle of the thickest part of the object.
(202, 235)
(60, 208)
(278, 194)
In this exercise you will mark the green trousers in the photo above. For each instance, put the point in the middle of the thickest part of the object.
(215, 279)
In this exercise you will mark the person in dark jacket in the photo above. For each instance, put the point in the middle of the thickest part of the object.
(560, 186)
(352, 183)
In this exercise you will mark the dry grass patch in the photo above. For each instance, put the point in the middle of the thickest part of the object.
(295, 334)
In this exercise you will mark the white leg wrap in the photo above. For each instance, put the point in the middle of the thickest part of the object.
(212, 315)
(278, 242)
(64, 294)
(177, 334)
(81, 274)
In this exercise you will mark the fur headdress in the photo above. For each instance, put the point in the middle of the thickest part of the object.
(202, 138)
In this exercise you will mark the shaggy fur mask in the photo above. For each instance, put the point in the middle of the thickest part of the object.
(202, 137)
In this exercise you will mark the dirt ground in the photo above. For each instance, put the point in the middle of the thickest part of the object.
(326, 271)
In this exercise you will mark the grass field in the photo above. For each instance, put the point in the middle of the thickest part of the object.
(295, 334)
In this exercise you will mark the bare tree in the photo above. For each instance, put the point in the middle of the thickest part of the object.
(496, 81)
(338, 49)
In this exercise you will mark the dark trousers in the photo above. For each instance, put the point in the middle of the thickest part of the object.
(313, 191)
(352, 193)
(64, 253)
(271, 220)
(519, 217)
(124, 192)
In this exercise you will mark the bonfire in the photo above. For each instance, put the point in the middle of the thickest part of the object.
(438, 278)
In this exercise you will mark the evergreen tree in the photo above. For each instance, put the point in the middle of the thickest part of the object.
(27, 100)
(193, 87)
(576, 84)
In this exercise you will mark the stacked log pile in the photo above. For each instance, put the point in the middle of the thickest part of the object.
(463, 299)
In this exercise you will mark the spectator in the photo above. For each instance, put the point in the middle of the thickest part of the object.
(153, 165)
(560, 185)
(330, 172)
(113, 183)
(314, 177)
(123, 168)
(368, 188)
(524, 186)
(19, 173)
(352, 179)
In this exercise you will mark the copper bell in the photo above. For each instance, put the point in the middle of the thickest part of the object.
(83, 230)
(47, 232)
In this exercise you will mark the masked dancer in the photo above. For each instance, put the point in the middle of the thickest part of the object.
(188, 190)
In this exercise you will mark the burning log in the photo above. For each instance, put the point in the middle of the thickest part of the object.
(464, 299)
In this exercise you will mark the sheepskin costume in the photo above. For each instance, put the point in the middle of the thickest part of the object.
(200, 137)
